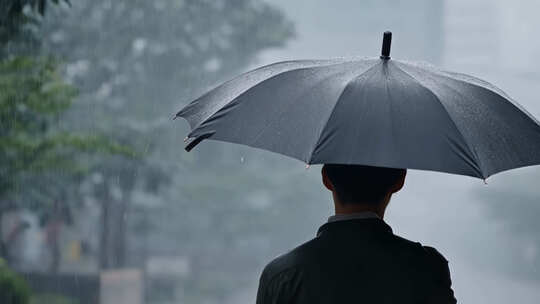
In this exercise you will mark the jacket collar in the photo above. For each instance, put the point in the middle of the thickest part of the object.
(352, 216)
(343, 226)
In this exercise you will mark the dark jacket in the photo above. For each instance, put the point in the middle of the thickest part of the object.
(357, 261)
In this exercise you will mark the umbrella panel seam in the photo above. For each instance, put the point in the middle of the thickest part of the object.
(319, 137)
(470, 148)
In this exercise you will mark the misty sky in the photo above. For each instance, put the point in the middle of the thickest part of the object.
(487, 41)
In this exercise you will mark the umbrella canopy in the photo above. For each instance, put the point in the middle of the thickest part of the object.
(370, 111)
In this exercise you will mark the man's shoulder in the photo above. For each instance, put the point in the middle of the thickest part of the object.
(429, 259)
(434, 254)
(290, 261)
(306, 255)
(428, 253)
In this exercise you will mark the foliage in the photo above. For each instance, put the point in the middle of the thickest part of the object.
(13, 289)
(18, 23)
(134, 64)
(33, 97)
(41, 161)
(132, 61)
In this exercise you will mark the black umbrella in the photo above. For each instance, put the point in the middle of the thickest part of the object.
(370, 111)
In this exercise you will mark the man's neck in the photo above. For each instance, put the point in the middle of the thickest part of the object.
(346, 210)
(351, 208)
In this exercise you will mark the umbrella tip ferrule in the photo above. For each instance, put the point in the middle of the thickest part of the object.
(387, 42)
(198, 139)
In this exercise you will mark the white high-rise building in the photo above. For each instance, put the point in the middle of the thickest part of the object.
(519, 30)
(491, 34)
(497, 40)
(471, 34)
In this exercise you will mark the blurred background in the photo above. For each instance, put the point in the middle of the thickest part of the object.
(100, 204)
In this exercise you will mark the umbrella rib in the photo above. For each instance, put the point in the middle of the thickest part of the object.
(471, 150)
(390, 106)
(318, 142)
(228, 103)
(182, 112)
(291, 103)
(485, 85)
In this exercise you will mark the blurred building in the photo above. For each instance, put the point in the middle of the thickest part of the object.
(471, 34)
(417, 27)
(495, 40)
(494, 34)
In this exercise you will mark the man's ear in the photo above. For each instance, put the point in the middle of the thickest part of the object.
(326, 181)
(399, 184)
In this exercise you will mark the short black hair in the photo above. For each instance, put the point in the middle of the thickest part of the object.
(362, 184)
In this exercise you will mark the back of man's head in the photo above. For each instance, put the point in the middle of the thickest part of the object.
(357, 184)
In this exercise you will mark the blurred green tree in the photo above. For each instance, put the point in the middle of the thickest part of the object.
(42, 161)
(135, 64)
(132, 60)
(13, 289)
(35, 150)
(19, 21)
(32, 96)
